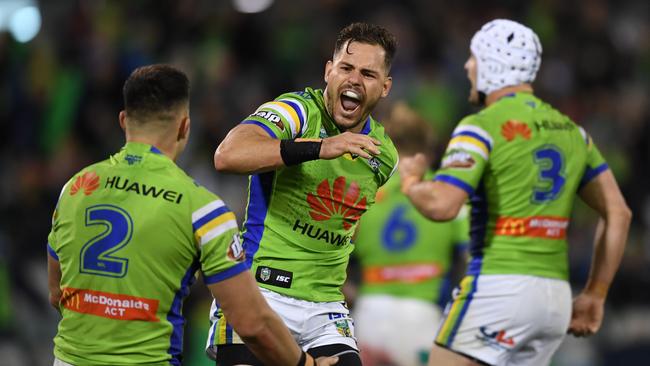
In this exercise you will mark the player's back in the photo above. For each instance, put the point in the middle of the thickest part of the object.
(536, 158)
(123, 234)
(401, 252)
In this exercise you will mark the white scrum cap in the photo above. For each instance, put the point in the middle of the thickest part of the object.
(507, 53)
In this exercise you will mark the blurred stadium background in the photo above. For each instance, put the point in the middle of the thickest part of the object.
(62, 65)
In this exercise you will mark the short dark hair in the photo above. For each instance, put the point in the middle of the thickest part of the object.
(155, 91)
(369, 34)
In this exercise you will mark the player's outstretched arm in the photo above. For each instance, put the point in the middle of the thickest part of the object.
(436, 200)
(54, 282)
(257, 324)
(603, 195)
(248, 149)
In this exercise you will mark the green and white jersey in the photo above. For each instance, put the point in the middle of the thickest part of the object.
(521, 162)
(130, 233)
(300, 219)
(403, 253)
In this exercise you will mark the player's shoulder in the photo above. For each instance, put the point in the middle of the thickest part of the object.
(378, 132)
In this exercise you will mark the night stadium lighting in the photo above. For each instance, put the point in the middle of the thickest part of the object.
(21, 18)
(251, 6)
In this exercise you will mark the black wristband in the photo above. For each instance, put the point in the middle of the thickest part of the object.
(303, 359)
(296, 152)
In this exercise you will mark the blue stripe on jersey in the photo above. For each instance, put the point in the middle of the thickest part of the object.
(366, 127)
(52, 252)
(155, 150)
(228, 333)
(209, 217)
(258, 123)
(225, 274)
(476, 136)
(478, 223)
(298, 112)
(592, 173)
(455, 182)
(175, 316)
(258, 205)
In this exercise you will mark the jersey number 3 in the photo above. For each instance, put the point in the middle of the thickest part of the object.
(551, 177)
(96, 254)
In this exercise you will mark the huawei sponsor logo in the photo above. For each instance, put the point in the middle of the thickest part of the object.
(339, 200)
(87, 182)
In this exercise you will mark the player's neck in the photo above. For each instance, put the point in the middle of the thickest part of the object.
(496, 95)
(168, 149)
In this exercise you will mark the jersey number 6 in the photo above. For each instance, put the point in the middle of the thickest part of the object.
(96, 254)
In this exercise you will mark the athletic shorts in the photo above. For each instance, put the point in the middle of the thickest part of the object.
(312, 324)
(507, 319)
(402, 328)
(58, 362)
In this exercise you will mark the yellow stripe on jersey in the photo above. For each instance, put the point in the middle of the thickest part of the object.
(286, 111)
(215, 227)
(470, 143)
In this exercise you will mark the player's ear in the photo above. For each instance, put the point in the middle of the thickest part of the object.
(388, 83)
(184, 129)
(122, 118)
(328, 69)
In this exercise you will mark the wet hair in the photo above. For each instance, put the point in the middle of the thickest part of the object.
(369, 34)
(155, 92)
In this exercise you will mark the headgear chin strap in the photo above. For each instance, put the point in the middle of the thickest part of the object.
(507, 53)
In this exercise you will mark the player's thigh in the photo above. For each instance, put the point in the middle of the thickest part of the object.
(494, 317)
(347, 355)
(441, 356)
(398, 329)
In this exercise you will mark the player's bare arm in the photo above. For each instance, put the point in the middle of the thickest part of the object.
(248, 149)
(436, 200)
(54, 281)
(603, 195)
(257, 324)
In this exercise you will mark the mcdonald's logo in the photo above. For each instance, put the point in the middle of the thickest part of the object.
(511, 226)
(547, 227)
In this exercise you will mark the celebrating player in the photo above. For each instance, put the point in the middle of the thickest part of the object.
(404, 259)
(521, 163)
(316, 160)
(129, 234)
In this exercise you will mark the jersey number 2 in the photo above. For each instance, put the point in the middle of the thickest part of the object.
(550, 161)
(96, 254)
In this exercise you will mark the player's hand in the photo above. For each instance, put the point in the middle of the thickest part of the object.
(349, 142)
(326, 361)
(411, 170)
(587, 315)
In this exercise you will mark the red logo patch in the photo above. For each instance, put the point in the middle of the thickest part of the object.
(512, 128)
(89, 182)
(110, 305)
(337, 202)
